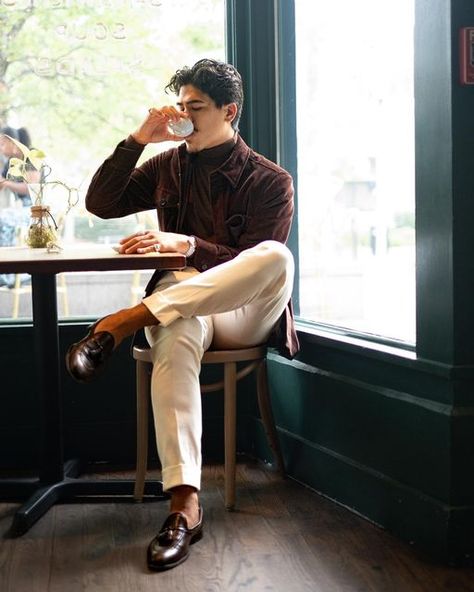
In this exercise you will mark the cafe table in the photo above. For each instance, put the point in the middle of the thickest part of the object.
(58, 480)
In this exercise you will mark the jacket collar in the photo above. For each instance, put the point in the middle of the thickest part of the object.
(233, 167)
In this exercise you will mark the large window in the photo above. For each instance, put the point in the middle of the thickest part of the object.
(79, 76)
(355, 138)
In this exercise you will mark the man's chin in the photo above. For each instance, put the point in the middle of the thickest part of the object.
(191, 146)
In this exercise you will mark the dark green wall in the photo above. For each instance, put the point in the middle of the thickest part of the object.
(379, 434)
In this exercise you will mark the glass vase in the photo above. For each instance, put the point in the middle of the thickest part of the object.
(42, 228)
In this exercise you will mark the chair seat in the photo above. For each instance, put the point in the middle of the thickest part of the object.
(219, 356)
(254, 359)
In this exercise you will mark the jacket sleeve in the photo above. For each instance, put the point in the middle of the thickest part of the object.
(269, 218)
(117, 188)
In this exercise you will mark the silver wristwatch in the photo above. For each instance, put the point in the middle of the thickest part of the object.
(192, 246)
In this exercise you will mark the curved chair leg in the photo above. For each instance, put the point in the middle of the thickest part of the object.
(230, 380)
(265, 406)
(143, 393)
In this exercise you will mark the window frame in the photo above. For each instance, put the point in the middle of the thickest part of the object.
(440, 169)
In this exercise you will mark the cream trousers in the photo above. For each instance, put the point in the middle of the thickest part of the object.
(233, 305)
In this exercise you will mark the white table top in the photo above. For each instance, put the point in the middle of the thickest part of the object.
(83, 258)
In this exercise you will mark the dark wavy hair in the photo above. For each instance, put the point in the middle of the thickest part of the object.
(220, 81)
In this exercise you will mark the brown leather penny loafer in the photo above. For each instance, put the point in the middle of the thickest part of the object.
(171, 545)
(86, 358)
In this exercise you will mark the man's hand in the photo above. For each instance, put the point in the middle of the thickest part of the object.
(155, 127)
(147, 241)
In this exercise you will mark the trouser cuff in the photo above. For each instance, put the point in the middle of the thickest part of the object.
(181, 475)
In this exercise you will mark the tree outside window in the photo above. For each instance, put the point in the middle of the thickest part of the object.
(79, 76)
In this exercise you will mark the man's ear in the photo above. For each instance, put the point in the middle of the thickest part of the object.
(230, 112)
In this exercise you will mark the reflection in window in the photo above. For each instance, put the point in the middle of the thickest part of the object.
(78, 76)
(355, 126)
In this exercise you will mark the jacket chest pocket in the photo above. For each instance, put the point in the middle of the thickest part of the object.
(167, 205)
(166, 200)
(236, 224)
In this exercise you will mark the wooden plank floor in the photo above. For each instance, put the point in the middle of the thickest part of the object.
(283, 537)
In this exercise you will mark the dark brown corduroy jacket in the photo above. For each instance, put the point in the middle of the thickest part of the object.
(252, 201)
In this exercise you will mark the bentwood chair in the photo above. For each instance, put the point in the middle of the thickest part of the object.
(253, 358)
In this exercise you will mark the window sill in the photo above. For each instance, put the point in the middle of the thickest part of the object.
(335, 338)
(339, 337)
(405, 355)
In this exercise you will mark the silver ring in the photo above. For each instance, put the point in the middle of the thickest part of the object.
(156, 247)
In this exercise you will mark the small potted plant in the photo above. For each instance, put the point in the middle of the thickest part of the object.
(42, 231)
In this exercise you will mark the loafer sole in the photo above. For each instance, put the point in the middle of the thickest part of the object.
(77, 368)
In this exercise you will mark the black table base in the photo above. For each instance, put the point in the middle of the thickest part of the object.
(57, 481)
(41, 496)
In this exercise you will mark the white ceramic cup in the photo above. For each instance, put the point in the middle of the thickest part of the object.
(182, 128)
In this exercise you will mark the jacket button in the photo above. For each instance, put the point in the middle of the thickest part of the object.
(162, 203)
(204, 266)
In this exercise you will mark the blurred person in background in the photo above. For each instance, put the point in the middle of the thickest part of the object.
(9, 150)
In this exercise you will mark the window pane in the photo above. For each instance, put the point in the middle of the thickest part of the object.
(79, 76)
(355, 126)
